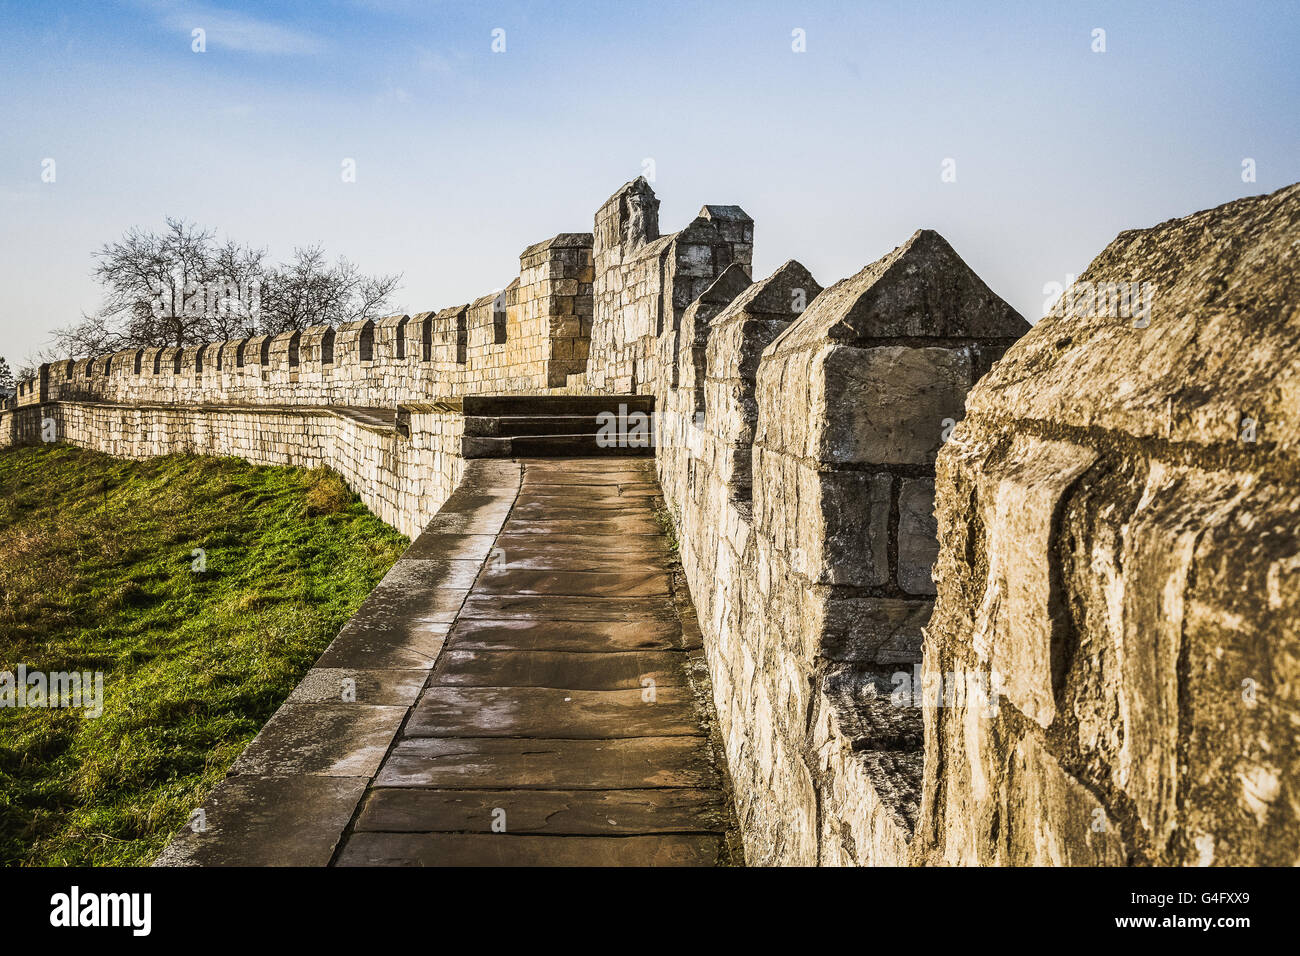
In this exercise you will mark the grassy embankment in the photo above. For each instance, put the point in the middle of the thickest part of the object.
(97, 574)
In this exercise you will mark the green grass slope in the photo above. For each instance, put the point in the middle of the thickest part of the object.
(97, 574)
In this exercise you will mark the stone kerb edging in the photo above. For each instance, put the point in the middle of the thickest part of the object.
(291, 795)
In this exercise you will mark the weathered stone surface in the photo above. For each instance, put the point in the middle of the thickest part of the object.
(564, 607)
(801, 498)
(1218, 346)
(882, 630)
(644, 282)
(579, 685)
(1020, 615)
(529, 634)
(604, 583)
(331, 739)
(585, 542)
(918, 543)
(1115, 547)
(922, 289)
(386, 687)
(840, 402)
(589, 557)
(385, 644)
(244, 823)
(904, 395)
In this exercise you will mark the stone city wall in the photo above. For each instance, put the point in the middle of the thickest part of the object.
(527, 337)
(798, 461)
(403, 470)
(645, 281)
(1100, 667)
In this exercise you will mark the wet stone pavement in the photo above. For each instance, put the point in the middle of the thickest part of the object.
(563, 722)
(526, 686)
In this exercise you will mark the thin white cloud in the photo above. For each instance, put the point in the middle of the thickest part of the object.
(21, 194)
(429, 62)
(231, 30)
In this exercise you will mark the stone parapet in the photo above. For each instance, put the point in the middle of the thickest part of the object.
(1117, 516)
(801, 427)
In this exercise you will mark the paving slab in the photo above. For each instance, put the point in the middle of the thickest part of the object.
(530, 505)
(398, 601)
(452, 711)
(562, 669)
(450, 546)
(389, 643)
(614, 584)
(330, 739)
(466, 522)
(386, 686)
(549, 812)
(537, 490)
(557, 607)
(498, 763)
(588, 476)
(590, 557)
(419, 574)
(245, 824)
(591, 526)
(643, 544)
(504, 849)
(589, 637)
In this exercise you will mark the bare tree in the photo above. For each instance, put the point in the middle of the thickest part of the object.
(180, 287)
(310, 291)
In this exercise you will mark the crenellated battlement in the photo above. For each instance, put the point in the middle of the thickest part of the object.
(530, 336)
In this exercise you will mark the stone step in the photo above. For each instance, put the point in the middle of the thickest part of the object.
(546, 446)
(498, 426)
(536, 405)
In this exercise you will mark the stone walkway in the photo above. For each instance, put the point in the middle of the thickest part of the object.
(526, 686)
(560, 725)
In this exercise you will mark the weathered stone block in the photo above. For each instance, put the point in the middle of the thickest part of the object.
(918, 542)
(901, 397)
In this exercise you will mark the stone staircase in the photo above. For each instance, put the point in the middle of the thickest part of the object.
(557, 426)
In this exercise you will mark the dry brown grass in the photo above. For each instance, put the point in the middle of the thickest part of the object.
(326, 493)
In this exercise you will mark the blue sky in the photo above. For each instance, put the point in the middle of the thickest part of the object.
(465, 156)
